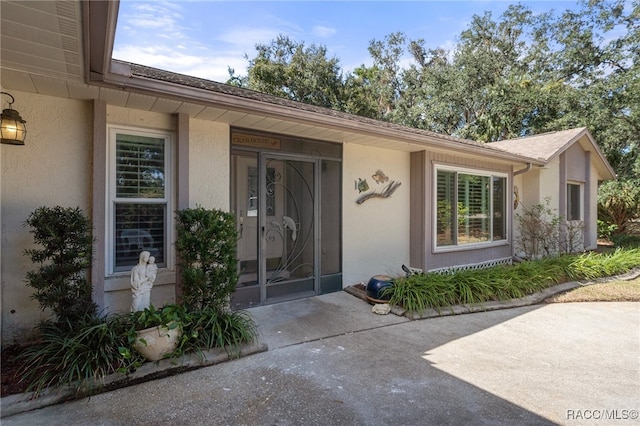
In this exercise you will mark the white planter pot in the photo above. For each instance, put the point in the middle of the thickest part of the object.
(156, 342)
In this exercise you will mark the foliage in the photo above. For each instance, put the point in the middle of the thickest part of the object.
(152, 317)
(61, 283)
(619, 203)
(606, 230)
(539, 231)
(571, 236)
(438, 290)
(82, 357)
(627, 241)
(210, 328)
(79, 355)
(518, 74)
(206, 246)
(290, 70)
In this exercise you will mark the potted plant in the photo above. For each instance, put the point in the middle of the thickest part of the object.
(156, 333)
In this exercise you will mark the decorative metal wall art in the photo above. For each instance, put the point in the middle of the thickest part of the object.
(379, 178)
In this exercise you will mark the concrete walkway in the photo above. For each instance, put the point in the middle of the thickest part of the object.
(331, 361)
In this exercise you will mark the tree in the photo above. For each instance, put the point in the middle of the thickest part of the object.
(290, 70)
(517, 75)
(61, 283)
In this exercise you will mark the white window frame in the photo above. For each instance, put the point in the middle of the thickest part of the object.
(111, 199)
(580, 185)
(434, 201)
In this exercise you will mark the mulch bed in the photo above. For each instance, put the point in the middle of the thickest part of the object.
(10, 367)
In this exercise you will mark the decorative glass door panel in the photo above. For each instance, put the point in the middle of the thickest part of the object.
(276, 209)
(288, 233)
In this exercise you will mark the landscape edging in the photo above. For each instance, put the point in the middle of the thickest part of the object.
(20, 403)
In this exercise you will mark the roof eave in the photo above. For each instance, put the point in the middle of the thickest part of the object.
(165, 89)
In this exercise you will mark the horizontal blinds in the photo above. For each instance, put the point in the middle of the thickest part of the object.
(139, 227)
(499, 208)
(445, 194)
(140, 167)
(473, 208)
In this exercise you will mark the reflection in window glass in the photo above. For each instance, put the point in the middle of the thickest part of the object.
(139, 204)
(469, 208)
(573, 202)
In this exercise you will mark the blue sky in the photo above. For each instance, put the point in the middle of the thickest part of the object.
(203, 38)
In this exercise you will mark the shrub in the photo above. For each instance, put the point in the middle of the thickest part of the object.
(434, 290)
(619, 203)
(539, 231)
(206, 245)
(79, 356)
(210, 328)
(61, 283)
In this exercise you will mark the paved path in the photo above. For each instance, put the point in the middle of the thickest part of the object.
(331, 361)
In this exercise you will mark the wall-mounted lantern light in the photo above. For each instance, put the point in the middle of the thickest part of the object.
(12, 126)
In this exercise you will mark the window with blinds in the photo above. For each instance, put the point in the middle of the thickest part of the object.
(139, 203)
(470, 208)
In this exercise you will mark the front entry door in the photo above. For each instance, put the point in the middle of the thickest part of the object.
(277, 215)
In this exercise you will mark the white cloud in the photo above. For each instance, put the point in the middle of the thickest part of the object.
(209, 66)
(161, 17)
(245, 39)
(324, 32)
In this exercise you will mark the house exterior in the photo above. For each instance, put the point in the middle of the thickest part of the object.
(323, 199)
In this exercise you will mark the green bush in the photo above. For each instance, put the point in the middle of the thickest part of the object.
(61, 283)
(79, 356)
(435, 290)
(206, 245)
(80, 349)
(619, 203)
(211, 328)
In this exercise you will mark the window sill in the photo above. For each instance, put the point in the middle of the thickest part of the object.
(122, 280)
(471, 246)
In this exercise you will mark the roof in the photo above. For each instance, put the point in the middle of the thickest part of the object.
(546, 147)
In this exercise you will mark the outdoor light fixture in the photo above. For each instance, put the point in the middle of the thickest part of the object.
(12, 126)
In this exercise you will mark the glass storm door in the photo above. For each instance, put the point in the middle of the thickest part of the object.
(277, 212)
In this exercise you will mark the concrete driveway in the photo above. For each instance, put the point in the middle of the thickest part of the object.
(331, 361)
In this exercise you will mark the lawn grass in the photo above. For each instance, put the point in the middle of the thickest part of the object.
(612, 291)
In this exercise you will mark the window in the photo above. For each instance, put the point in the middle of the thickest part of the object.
(470, 207)
(574, 211)
(139, 197)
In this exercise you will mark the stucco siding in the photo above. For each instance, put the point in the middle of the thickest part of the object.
(52, 168)
(549, 185)
(209, 165)
(376, 232)
(576, 164)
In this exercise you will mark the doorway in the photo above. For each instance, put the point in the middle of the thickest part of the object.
(277, 201)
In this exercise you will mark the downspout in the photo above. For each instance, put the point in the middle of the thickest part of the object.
(525, 170)
(515, 258)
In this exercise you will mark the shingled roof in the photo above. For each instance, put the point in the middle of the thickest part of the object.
(547, 146)
(539, 149)
(145, 72)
